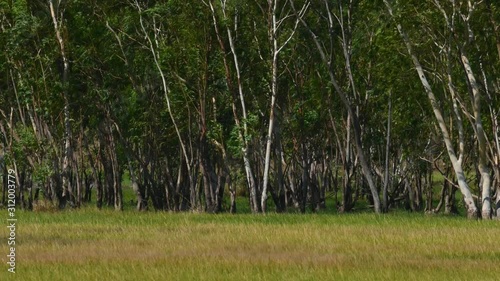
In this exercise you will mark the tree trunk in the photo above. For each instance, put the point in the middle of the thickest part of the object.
(273, 30)
(274, 85)
(278, 163)
(135, 186)
(305, 179)
(206, 169)
(481, 139)
(385, 197)
(57, 19)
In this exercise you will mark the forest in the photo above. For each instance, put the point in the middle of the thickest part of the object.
(293, 105)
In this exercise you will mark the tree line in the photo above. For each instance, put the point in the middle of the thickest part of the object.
(285, 102)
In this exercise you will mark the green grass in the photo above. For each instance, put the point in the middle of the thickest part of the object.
(88, 244)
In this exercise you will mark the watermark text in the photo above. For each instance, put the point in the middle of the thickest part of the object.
(11, 221)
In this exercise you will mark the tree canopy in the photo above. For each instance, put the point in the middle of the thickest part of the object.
(363, 103)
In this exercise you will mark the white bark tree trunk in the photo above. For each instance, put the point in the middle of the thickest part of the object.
(385, 196)
(274, 86)
(275, 50)
(67, 192)
(481, 139)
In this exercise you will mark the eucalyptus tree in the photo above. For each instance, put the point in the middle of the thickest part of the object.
(331, 20)
(457, 22)
(473, 86)
(275, 23)
(57, 13)
(286, 99)
(241, 122)
(462, 50)
(28, 101)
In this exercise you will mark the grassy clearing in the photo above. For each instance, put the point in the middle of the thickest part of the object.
(106, 245)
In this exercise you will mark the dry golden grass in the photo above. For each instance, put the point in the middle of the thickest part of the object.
(93, 245)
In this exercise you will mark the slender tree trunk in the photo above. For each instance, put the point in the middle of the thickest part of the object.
(348, 165)
(100, 184)
(57, 19)
(444, 193)
(385, 197)
(274, 85)
(495, 26)
(224, 175)
(481, 139)
(245, 135)
(497, 201)
(429, 189)
(325, 179)
(179, 187)
(280, 200)
(135, 186)
(305, 178)
(293, 185)
(207, 172)
(273, 31)
(314, 186)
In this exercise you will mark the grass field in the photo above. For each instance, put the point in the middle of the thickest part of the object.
(105, 245)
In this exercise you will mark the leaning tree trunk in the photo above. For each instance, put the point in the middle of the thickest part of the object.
(481, 139)
(57, 19)
(385, 196)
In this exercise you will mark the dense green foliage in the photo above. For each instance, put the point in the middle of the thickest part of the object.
(177, 97)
